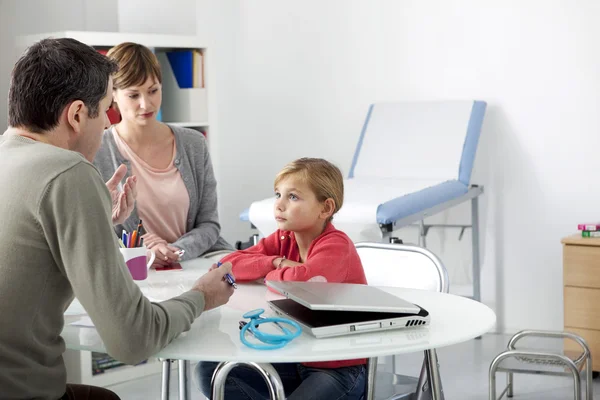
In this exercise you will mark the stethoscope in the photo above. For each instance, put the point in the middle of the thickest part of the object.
(270, 341)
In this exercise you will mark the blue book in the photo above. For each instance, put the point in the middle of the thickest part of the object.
(182, 64)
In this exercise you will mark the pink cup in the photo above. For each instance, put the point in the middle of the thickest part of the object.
(135, 258)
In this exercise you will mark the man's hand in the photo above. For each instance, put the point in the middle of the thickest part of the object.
(122, 202)
(214, 286)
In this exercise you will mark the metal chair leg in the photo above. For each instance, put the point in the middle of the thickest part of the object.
(423, 388)
(588, 379)
(371, 373)
(492, 379)
(515, 353)
(576, 381)
(509, 384)
(267, 371)
(166, 377)
(435, 381)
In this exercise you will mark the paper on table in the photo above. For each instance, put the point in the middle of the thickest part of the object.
(85, 320)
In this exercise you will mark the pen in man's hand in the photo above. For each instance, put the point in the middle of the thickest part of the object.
(228, 277)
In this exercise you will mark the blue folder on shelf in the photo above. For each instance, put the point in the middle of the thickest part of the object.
(182, 64)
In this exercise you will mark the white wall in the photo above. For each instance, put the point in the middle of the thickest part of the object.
(174, 17)
(219, 27)
(22, 17)
(6, 61)
(304, 74)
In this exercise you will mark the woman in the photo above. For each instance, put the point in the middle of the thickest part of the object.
(177, 198)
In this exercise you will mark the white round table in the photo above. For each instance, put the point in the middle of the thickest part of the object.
(214, 336)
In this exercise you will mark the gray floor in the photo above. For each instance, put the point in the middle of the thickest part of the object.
(463, 367)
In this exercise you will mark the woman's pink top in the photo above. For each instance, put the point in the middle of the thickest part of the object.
(162, 198)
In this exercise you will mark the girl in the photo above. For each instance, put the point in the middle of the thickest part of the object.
(306, 247)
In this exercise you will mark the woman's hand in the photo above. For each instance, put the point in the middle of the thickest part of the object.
(165, 252)
(160, 263)
(151, 240)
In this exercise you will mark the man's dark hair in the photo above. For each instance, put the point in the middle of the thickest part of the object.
(50, 75)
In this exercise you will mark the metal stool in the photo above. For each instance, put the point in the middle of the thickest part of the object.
(530, 361)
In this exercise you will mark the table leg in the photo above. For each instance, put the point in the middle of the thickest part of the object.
(184, 390)
(166, 377)
(434, 375)
(371, 373)
(267, 371)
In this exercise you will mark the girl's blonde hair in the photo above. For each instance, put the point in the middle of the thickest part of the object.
(137, 64)
(323, 178)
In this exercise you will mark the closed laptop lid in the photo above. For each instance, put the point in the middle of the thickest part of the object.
(343, 297)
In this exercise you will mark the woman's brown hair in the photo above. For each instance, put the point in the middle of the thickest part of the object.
(136, 63)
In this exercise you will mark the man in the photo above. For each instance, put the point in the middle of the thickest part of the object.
(56, 236)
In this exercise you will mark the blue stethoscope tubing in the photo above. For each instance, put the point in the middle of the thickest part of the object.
(270, 341)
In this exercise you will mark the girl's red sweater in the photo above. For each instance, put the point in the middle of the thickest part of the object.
(331, 257)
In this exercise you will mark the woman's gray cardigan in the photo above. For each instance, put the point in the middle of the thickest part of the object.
(193, 162)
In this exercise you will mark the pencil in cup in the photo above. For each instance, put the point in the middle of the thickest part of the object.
(228, 277)
(131, 240)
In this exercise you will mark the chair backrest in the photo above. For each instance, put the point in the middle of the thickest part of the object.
(402, 265)
(427, 140)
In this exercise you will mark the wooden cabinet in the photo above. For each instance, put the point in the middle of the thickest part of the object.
(581, 285)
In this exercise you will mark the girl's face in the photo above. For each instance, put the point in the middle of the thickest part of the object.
(139, 104)
(296, 206)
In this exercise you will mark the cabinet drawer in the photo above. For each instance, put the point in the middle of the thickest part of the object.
(592, 338)
(581, 308)
(581, 266)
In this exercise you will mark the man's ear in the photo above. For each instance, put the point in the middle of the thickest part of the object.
(328, 207)
(76, 112)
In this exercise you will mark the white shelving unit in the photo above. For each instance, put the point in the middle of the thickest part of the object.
(191, 108)
(199, 116)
